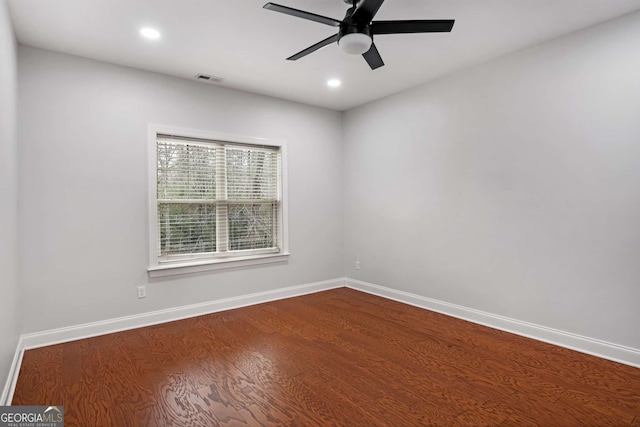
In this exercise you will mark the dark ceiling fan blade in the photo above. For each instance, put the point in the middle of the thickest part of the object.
(302, 14)
(373, 58)
(413, 26)
(366, 10)
(313, 48)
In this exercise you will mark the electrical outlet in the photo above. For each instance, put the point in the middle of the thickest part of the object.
(142, 291)
(357, 265)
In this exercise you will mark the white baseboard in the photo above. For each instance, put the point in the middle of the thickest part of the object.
(615, 352)
(594, 347)
(88, 330)
(12, 378)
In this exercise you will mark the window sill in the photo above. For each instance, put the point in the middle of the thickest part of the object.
(198, 266)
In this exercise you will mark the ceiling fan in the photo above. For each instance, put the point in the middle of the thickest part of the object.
(356, 30)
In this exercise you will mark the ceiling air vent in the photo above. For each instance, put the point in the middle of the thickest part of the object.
(209, 79)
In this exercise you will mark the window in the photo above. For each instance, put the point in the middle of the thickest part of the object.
(215, 202)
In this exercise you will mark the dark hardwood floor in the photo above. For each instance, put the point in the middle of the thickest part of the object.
(335, 358)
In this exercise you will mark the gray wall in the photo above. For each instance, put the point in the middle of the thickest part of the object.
(83, 187)
(9, 291)
(512, 187)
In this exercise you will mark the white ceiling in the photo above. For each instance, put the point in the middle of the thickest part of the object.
(247, 45)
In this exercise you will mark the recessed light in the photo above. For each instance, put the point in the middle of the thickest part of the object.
(150, 33)
(334, 83)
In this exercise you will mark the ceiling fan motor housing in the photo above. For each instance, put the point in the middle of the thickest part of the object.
(354, 36)
(351, 26)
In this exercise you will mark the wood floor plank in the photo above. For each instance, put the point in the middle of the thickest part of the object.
(335, 358)
(262, 361)
(40, 377)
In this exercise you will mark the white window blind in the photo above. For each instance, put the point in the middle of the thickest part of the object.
(216, 199)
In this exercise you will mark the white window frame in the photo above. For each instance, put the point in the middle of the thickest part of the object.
(157, 268)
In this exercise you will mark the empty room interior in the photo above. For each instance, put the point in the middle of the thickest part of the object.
(331, 213)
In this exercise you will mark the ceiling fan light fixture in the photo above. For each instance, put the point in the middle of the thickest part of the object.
(355, 43)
